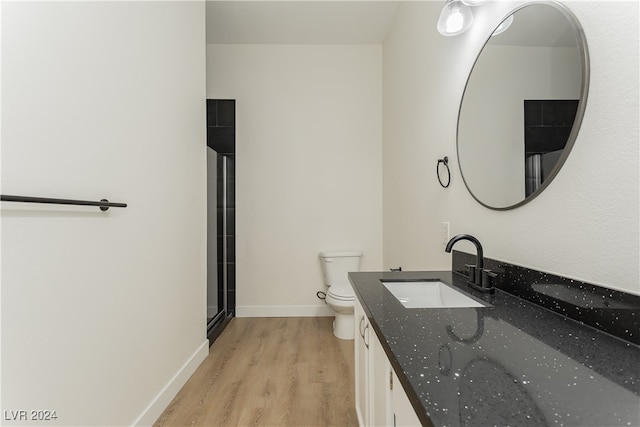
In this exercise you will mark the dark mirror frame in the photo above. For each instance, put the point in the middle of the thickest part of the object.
(582, 102)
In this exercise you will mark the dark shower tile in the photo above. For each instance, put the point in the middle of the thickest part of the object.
(226, 112)
(542, 139)
(559, 112)
(231, 221)
(231, 275)
(220, 247)
(532, 112)
(220, 270)
(231, 248)
(231, 301)
(219, 219)
(212, 112)
(221, 139)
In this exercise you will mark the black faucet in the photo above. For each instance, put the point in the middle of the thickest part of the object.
(479, 278)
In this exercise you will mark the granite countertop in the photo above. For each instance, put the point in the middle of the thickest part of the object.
(511, 363)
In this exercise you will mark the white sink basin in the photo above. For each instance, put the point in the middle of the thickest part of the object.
(429, 294)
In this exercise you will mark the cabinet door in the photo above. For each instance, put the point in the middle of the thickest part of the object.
(380, 387)
(403, 412)
(362, 364)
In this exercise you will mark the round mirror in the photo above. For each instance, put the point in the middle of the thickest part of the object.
(522, 106)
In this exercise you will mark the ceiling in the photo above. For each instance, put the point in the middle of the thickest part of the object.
(298, 22)
(354, 22)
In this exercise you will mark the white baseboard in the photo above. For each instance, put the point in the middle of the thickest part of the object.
(162, 400)
(284, 311)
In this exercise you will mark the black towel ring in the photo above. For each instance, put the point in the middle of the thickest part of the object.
(445, 161)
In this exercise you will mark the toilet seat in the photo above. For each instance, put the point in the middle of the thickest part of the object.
(339, 297)
(341, 292)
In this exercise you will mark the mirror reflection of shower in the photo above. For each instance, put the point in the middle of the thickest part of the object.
(547, 125)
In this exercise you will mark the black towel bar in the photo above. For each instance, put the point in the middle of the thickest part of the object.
(103, 204)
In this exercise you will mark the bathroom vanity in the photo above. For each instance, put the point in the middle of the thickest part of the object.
(541, 349)
(510, 362)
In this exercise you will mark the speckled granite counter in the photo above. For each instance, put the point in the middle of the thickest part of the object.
(512, 363)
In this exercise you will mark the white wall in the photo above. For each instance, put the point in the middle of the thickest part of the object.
(584, 226)
(103, 314)
(308, 165)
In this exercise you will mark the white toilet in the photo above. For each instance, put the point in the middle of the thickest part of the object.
(340, 296)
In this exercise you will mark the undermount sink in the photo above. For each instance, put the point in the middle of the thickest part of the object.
(429, 294)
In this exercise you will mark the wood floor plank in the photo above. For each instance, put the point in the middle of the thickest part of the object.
(270, 372)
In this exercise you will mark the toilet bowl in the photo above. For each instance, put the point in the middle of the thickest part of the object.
(343, 308)
(340, 296)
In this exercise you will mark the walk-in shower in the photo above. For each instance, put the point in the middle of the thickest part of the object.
(221, 277)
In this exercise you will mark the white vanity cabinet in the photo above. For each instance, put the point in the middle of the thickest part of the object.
(403, 413)
(362, 356)
(372, 375)
(380, 398)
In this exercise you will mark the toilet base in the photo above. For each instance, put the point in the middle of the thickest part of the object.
(343, 326)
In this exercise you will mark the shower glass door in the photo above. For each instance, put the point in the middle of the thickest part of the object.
(216, 243)
(220, 215)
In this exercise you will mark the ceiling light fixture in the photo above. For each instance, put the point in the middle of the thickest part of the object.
(455, 18)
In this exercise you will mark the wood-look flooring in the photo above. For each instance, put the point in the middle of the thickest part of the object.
(270, 372)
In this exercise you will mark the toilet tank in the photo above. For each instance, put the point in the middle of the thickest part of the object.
(336, 265)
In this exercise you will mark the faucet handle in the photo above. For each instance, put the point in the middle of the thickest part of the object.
(471, 271)
(487, 278)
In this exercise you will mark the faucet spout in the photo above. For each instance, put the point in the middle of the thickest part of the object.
(479, 278)
(476, 242)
